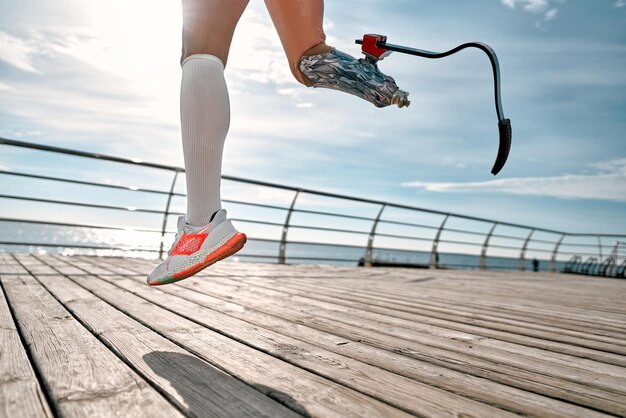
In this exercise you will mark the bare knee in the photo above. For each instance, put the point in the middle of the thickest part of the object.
(208, 26)
(204, 46)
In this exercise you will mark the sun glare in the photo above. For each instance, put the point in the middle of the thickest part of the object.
(137, 40)
(137, 45)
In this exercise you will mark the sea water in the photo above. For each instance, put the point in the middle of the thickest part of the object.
(64, 240)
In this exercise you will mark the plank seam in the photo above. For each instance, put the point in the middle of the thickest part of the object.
(332, 379)
(434, 313)
(482, 310)
(47, 401)
(527, 344)
(539, 393)
(115, 352)
(139, 320)
(56, 413)
(475, 399)
(590, 407)
(303, 368)
(186, 349)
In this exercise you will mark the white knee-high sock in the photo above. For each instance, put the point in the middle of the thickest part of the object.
(205, 118)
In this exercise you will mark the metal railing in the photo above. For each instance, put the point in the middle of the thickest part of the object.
(563, 244)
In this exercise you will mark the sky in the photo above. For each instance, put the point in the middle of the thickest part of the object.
(105, 77)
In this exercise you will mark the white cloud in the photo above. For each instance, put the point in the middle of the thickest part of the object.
(536, 7)
(608, 182)
(17, 52)
(5, 87)
(112, 42)
(15, 133)
(256, 54)
(551, 14)
(611, 166)
(113, 77)
(619, 4)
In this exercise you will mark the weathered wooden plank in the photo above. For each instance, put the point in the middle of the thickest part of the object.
(593, 294)
(299, 389)
(555, 291)
(57, 264)
(400, 280)
(197, 387)
(485, 390)
(447, 327)
(544, 332)
(32, 264)
(354, 281)
(427, 325)
(462, 304)
(11, 267)
(590, 365)
(500, 282)
(120, 265)
(429, 289)
(83, 377)
(37, 267)
(501, 344)
(528, 307)
(20, 392)
(412, 396)
(569, 384)
(395, 318)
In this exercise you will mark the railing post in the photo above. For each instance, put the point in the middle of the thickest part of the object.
(614, 251)
(600, 247)
(370, 239)
(554, 254)
(483, 252)
(521, 265)
(166, 213)
(283, 238)
(434, 256)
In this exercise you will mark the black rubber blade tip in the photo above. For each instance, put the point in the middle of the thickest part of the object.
(506, 135)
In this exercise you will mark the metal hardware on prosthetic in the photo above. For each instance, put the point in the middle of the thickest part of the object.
(339, 71)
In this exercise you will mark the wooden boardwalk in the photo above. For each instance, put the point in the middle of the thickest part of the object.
(86, 337)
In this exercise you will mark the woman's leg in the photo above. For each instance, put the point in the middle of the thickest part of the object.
(313, 63)
(205, 235)
(208, 27)
(299, 26)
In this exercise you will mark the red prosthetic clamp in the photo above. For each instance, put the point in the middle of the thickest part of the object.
(370, 47)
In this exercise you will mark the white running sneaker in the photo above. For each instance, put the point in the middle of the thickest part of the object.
(197, 247)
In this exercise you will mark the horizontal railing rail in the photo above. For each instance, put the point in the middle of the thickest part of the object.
(443, 234)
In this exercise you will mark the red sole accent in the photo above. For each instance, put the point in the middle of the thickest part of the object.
(230, 247)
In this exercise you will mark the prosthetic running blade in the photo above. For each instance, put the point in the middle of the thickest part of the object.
(375, 47)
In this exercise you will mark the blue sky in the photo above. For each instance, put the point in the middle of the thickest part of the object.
(104, 76)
